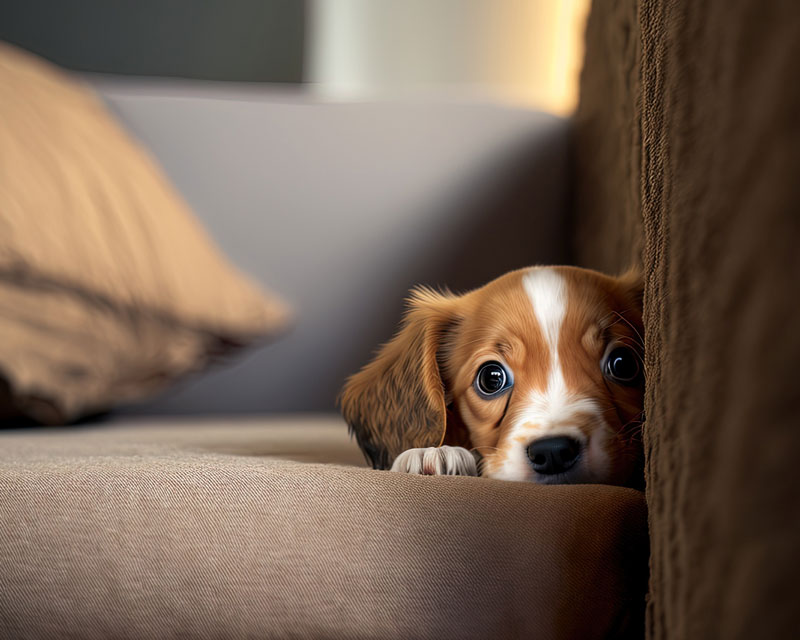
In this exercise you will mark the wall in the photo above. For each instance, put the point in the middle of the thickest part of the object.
(245, 40)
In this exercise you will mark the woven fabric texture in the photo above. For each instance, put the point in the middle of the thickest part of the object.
(688, 142)
(217, 530)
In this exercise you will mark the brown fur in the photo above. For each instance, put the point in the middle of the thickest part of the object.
(397, 401)
(418, 391)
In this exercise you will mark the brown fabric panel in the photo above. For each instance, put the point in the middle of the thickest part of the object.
(607, 219)
(168, 532)
(720, 214)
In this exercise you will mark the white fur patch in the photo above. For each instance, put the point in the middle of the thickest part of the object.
(547, 292)
(437, 461)
(554, 411)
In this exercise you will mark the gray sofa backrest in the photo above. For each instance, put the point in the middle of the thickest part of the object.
(341, 208)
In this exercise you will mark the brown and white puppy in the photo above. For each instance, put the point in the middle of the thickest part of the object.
(539, 373)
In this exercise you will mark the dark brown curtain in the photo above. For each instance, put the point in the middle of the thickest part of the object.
(688, 157)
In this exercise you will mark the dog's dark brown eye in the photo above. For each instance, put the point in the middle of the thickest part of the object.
(492, 378)
(622, 366)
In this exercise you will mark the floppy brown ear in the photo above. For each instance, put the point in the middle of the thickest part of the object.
(397, 401)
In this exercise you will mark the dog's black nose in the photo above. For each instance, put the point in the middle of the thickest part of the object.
(553, 455)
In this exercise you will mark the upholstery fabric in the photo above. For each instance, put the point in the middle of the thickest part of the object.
(607, 219)
(700, 101)
(216, 530)
(109, 289)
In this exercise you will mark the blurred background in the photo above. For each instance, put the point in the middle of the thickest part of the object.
(338, 151)
(524, 51)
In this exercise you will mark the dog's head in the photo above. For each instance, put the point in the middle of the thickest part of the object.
(540, 371)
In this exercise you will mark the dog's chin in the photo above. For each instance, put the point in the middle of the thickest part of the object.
(585, 475)
(582, 473)
(572, 476)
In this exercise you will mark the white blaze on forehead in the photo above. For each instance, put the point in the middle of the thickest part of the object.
(552, 411)
(547, 292)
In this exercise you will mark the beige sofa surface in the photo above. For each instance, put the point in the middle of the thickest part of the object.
(238, 528)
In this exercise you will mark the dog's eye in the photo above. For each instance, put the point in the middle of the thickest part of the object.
(622, 366)
(492, 379)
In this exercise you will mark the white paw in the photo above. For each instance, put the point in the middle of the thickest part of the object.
(437, 461)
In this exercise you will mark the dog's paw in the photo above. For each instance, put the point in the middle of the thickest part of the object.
(437, 461)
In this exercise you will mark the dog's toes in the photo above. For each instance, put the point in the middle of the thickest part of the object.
(437, 461)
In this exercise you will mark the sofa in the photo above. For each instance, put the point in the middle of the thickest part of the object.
(166, 473)
(206, 512)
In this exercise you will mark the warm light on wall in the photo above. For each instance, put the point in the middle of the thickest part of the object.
(527, 52)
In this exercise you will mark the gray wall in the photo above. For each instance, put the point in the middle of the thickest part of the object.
(243, 40)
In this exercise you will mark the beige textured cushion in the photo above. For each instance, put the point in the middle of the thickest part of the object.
(189, 530)
(109, 288)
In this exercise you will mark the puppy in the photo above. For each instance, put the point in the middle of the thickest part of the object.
(536, 376)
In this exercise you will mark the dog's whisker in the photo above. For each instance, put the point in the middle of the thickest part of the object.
(630, 324)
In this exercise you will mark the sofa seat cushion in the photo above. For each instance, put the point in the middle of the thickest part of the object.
(236, 527)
